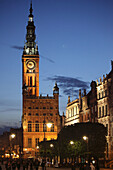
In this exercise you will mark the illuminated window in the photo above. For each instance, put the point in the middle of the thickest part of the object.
(36, 127)
(29, 126)
(52, 128)
(29, 142)
(36, 142)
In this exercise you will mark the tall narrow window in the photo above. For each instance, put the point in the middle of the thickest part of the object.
(36, 142)
(30, 81)
(29, 142)
(103, 111)
(107, 128)
(29, 126)
(99, 95)
(106, 110)
(52, 128)
(105, 93)
(99, 111)
(37, 127)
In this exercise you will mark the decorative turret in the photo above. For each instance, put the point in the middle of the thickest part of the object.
(30, 47)
(56, 89)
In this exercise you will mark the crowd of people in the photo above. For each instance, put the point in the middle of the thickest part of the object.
(16, 164)
(33, 164)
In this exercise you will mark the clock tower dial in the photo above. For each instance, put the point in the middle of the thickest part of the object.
(31, 64)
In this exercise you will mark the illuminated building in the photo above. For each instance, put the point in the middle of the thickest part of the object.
(95, 106)
(72, 112)
(105, 108)
(83, 109)
(37, 109)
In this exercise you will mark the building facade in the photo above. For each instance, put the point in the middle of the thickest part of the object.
(96, 106)
(38, 110)
(105, 108)
(72, 112)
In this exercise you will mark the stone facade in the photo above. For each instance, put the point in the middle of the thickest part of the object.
(96, 106)
(72, 112)
(105, 108)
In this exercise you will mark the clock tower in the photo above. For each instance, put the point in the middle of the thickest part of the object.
(30, 60)
(38, 110)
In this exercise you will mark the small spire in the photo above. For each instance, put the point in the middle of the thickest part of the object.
(31, 10)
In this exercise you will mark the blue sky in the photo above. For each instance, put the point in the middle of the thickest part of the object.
(77, 35)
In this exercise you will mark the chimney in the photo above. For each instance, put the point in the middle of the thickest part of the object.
(68, 99)
(84, 92)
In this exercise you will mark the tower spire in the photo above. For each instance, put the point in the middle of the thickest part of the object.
(31, 10)
(30, 45)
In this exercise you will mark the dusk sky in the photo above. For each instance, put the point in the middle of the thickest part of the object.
(75, 40)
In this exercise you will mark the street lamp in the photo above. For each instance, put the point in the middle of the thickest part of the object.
(12, 136)
(49, 124)
(71, 142)
(87, 140)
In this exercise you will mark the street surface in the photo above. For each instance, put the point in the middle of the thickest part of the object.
(40, 168)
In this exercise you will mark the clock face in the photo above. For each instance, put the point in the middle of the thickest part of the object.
(31, 64)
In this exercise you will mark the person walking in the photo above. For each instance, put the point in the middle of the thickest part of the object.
(43, 165)
(92, 166)
(36, 164)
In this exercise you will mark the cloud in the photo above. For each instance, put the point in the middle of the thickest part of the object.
(46, 58)
(17, 47)
(10, 110)
(69, 85)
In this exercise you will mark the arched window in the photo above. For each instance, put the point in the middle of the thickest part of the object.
(29, 126)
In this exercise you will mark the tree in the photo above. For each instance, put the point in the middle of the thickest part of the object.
(96, 140)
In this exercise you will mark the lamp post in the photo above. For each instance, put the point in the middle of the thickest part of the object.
(49, 126)
(12, 136)
(87, 140)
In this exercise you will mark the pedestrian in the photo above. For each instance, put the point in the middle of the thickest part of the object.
(43, 164)
(92, 166)
(72, 166)
(36, 164)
